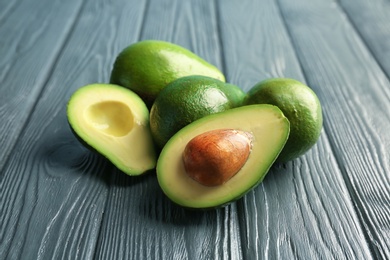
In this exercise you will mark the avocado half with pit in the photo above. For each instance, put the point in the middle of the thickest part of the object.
(219, 158)
(113, 121)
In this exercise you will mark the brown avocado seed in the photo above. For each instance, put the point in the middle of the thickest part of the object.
(212, 158)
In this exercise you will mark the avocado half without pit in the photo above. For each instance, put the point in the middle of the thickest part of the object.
(113, 121)
(219, 158)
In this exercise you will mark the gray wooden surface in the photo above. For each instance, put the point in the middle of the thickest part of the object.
(60, 201)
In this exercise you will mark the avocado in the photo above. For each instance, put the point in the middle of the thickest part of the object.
(146, 67)
(187, 99)
(300, 104)
(235, 94)
(114, 122)
(207, 164)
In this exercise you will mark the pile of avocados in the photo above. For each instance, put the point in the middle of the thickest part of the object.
(167, 109)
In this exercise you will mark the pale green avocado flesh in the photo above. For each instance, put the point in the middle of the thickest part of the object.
(113, 121)
(270, 130)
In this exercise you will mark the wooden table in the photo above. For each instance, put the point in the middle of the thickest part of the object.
(60, 201)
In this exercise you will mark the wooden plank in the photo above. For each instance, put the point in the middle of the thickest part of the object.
(140, 222)
(31, 35)
(371, 19)
(6, 7)
(54, 191)
(356, 95)
(302, 210)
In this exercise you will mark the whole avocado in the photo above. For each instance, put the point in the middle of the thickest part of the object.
(187, 99)
(299, 104)
(146, 67)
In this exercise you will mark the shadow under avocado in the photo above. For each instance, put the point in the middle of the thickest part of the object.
(157, 207)
(65, 156)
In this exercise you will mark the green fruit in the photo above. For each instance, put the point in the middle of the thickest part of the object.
(299, 104)
(146, 67)
(186, 100)
(234, 93)
(191, 161)
(113, 121)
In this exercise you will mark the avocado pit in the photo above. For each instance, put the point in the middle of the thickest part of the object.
(214, 157)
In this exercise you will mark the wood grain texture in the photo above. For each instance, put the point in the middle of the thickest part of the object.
(31, 36)
(355, 93)
(54, 191)
(140, 222)
(302, 210)
(60, 201)
(371, 20)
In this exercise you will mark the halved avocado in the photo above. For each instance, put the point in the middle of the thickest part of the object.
(269, 130)
(113, 121)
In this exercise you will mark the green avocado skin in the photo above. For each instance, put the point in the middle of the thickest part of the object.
(146, 67)
(299, 104)
(234, 93)
(187, 99)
